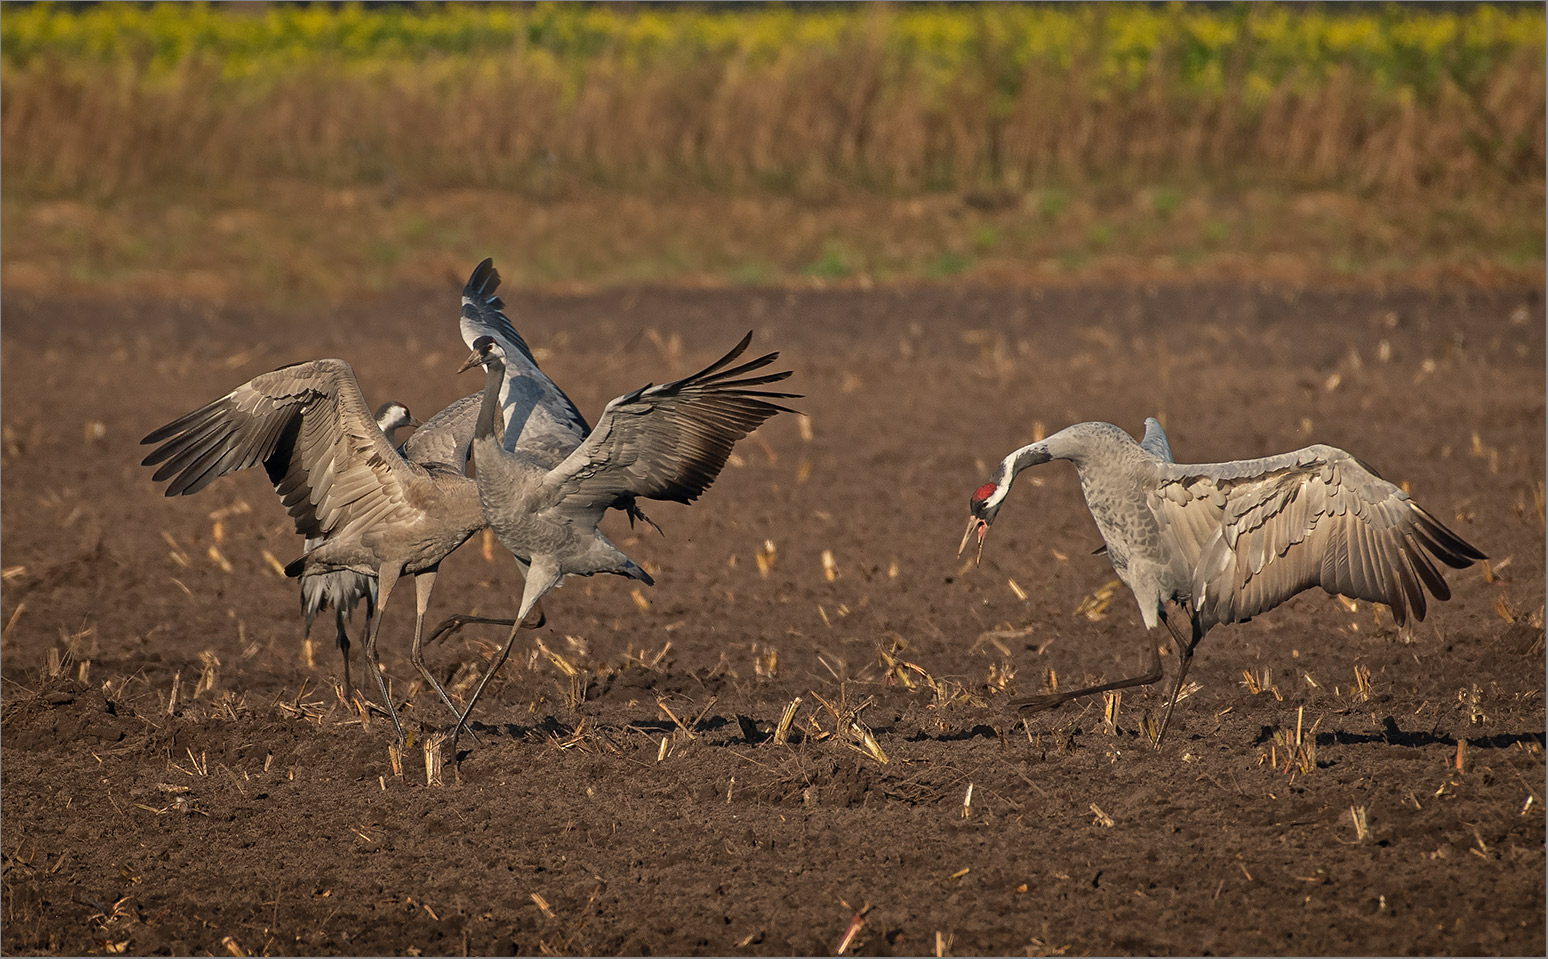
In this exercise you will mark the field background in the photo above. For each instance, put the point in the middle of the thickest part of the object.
(288, 152)
(962, 227)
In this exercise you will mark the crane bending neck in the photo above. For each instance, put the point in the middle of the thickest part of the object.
(1033, 454)
(494, 375)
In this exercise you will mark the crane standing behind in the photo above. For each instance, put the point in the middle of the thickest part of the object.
(344, 589)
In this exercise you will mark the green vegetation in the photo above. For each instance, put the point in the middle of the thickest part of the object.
(1090, 123)
(833, 264)
(901, 98)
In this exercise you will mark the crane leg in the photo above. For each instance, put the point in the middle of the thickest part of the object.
(387, 579)
(348, 692)
(535, 618)
(1036, 703)
(342, 638)
(462, 718)
(424, 582)
(451, 624)
(1184, 660)
(539, 581)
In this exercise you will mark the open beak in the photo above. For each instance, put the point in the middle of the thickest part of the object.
(975, 525)
(474, 359)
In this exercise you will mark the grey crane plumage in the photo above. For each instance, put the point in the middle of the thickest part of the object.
(1228, 541)
(1155, 440)
(344, 589)
(366, 509)
(539, 417)
(665, 442)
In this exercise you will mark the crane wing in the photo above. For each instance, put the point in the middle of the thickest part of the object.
(446, 436)
(539, 417)
(1253, 533)
(668, 442)
(1155, 441)
(309, 426)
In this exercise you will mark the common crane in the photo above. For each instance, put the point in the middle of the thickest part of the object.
(366, 509)
(344, 589)
(1227, 541)
(665, 442)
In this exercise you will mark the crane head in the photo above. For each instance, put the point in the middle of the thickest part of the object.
(483, 349)
(392, 416)
(982, 515)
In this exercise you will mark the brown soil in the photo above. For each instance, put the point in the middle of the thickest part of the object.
(257, 814)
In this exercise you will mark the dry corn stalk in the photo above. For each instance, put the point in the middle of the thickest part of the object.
(1362, 681)
(1361, 822)
(1094, 607)
(433, 758)
(867, 743)
(765, 661)
(856, 923)
(765, 557)
(1111, 700)
(786, 720)
(207, 674)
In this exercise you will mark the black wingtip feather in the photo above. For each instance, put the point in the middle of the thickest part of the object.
(179, 425)
(1452, 550)
(715, 373)
(159, 434)
(484, 280)
(737, 350)
(1428, 574)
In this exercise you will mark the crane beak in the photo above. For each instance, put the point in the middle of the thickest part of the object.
(476, 358)
(975, 525)
(414, 422)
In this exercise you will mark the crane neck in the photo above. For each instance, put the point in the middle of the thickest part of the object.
(1032, 454)
(494, 375)
(1087, 445)
(1096, 449)
(1081, 444)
